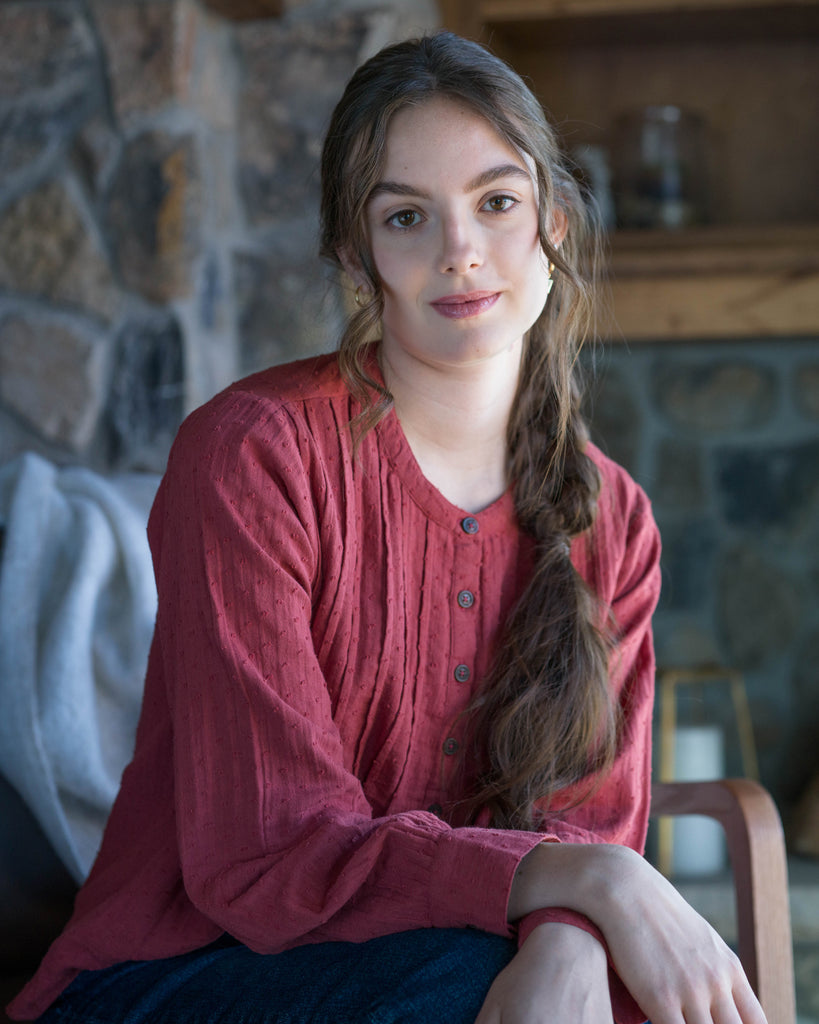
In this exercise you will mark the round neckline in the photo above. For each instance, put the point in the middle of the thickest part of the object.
(498, 517)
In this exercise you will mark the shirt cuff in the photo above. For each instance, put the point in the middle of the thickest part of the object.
(623, 1005)
(471, 877)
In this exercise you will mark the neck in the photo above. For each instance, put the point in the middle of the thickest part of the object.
(455, 421)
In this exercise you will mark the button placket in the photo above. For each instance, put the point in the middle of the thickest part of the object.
(465, 597)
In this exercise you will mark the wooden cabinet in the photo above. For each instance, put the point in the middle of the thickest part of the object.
(750, 71)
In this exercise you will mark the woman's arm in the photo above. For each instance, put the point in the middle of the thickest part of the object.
(559, 974)
(672, 961)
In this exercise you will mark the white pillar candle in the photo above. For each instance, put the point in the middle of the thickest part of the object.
(699, 842)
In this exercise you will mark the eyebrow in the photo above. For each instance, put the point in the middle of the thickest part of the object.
(481, 181)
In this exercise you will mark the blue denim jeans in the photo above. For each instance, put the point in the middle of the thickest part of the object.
(436, 974)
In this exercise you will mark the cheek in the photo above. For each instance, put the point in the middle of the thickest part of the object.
(524, 257)
(398, 269)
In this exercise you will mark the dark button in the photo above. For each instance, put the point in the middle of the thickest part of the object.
(435, 809)
(462, 673)
(450, 745)
(470, 525)
(466, 599)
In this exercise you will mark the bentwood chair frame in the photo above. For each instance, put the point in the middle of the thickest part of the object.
(756, 848)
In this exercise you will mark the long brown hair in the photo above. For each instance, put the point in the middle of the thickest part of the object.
(544, 718)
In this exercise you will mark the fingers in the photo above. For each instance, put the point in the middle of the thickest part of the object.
(723, 1000)
(748, 1006)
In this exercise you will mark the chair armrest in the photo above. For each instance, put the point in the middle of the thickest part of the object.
(756, 847)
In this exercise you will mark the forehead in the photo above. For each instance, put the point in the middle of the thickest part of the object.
(445, 133)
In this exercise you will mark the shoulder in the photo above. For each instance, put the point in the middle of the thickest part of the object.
(623, 504)
(304, 380)
(624, 543)
(274, 431)
(288, 386)
(255, 413)
(617, 485)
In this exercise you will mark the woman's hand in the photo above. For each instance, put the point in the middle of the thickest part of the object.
(670, 959)
(560, 973)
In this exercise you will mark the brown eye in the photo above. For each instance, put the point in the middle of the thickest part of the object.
(500, 204)
(405, 219)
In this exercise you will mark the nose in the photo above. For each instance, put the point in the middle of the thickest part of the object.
(460, 246)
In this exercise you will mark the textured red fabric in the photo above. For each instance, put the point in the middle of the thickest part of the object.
(299, 758)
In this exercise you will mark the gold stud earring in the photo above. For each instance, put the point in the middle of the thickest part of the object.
(359, 292)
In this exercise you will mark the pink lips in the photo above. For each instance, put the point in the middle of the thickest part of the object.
(459, 307)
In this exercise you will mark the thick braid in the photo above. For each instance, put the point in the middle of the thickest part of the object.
(545, 718)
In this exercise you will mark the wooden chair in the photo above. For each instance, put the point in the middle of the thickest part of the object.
(756, 848)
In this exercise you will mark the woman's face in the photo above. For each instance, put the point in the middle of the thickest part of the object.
(453, 230)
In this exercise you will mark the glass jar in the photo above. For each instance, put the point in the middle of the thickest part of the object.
(659, 169)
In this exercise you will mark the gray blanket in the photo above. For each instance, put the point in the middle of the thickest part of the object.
(77, 608)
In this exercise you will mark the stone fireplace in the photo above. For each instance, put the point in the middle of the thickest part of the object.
(158, 208)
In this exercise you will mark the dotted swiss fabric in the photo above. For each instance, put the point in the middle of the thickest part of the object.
(300, 754)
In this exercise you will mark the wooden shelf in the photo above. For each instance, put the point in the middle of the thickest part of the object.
(750, 70)
(500, 11)
(711, 283)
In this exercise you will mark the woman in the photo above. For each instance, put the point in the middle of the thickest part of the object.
(393, 761)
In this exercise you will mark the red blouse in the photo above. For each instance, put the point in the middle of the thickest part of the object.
(323, 623)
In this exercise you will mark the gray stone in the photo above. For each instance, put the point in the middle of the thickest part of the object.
(154, 215)
(689, 550)
(682, 643)
(285, 311)
(806, 390)
(802, 763)
(147, 395)
(205, 71)
(53, 376)
(678, 480)
(616, 420)
(758, 607)
(283, 113)
(806, 971)
(771, 726)
(47, 250)
(94, 152)
(42, 47)
(768, 487)
(139, 40)
(36, 130)
(806, 673)
(718, 397)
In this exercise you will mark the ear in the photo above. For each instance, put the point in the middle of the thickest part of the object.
(352, 268)
(559, 227)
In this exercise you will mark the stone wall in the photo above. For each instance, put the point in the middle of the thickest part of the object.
(725, 439)
(158, 201)
(158, 194)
